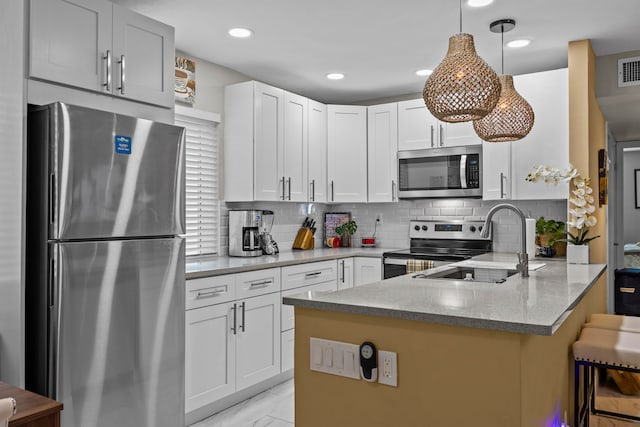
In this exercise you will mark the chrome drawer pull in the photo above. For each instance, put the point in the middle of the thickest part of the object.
(212, 293)
(260, 284)
(310, 275)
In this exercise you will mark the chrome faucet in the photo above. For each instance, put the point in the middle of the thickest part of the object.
(523, 258)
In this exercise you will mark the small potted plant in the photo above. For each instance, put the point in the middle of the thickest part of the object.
(345, 231)
(581, 209)
(550, 234)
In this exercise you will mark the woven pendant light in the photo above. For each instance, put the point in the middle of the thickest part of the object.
(512, 118)
(462, 87)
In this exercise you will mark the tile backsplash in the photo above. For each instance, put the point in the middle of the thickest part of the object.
(393, 229)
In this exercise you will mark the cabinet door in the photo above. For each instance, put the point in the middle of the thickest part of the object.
(345, 273)
(69, 40)
(144, 58)
(417, 128)
(268, 123)
(452, 134)
(209, 355)
(317, 152)
(347, 153)
(295, 146)
(548, 141)
(258, 339)
(366, 270)
(287, 340)
(496, 170)
(382, 152)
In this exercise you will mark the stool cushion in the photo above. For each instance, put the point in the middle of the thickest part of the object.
(608, 347)
(615, 322)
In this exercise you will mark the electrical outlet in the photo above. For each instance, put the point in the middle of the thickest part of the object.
(388, 368)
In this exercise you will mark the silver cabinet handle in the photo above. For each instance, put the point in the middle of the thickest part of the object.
(283, 183)
(432, 136)
(107, 73)
(260, 284)
(342, 266)
(313, 190)
(332, 198)
(393, 191)
(242, 305)
(441, 135)
(310, 275)
(289, 185)
(502, 178)
(212, 293)
(122, 74)
(235, 320)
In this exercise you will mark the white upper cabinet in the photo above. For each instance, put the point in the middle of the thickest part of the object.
(317, 152)
(268, 142)
(347, 153)
(296, 144)
(418, 129)
(382, 152)
(101, 47)
(507, 164)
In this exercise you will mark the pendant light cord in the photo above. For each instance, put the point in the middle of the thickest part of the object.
(460, 16)
(502, 45)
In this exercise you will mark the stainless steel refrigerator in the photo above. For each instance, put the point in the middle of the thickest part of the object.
(104, 297)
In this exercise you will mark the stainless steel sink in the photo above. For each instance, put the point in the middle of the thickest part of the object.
(485, 275)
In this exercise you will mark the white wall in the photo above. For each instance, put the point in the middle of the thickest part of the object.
(631, 231)
(12, 120)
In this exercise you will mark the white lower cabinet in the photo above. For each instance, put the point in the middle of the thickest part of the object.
(234, 342)
(366, 270)
(287, 353)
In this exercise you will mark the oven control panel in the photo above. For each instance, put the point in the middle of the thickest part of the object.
(432, 229)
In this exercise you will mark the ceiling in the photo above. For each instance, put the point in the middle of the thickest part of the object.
(379, 44)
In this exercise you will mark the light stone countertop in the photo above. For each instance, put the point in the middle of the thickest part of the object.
(535, 305)
(216, 266)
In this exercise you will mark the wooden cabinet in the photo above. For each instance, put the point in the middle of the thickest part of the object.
(418, 129)
(317, 152)
(267, 131)
(345, 273)
(210, 354)
(101, 47)
(366, 270)
(232, 336)
(506, 165)
(32, 410)
(382, 152)
(347, 153)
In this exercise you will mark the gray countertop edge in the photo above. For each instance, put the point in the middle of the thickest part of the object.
(497, 325)
(271, 261)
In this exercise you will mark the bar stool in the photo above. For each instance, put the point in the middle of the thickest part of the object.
(7, 410)
(603, 347)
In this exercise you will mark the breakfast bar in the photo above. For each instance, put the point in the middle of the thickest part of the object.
(469, 352)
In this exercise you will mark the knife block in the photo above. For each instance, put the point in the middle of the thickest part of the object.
(304, 239)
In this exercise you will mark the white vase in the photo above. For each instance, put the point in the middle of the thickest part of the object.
(578, 254)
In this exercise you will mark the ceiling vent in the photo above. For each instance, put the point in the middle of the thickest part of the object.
(629, 71)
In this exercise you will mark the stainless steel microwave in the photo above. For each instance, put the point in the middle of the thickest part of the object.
(440, 172)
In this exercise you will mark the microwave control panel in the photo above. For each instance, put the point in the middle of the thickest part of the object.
(473, 172)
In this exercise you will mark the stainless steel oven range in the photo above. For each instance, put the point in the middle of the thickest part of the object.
(442, 242)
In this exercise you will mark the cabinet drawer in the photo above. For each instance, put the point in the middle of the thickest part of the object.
(209, 290)
(287, 352)
(297, 276)
(287, 321)
(258, 282)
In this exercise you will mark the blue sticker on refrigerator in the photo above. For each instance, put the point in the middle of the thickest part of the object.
(122, 144)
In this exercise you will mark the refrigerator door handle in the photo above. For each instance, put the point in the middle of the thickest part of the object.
(53, 367)
(52, 198)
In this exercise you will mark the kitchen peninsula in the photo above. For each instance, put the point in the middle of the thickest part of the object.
(469, 353)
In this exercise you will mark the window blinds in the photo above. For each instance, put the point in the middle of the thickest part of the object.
(202, 206)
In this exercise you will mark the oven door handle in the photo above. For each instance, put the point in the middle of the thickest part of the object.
(463, 171)
(396, 261)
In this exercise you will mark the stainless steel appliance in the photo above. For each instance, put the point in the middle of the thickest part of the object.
(268, 245)
(104, 298)
(244, 233)
(440, 172)
(441, 242)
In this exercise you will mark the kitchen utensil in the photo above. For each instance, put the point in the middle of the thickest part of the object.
(304, 239)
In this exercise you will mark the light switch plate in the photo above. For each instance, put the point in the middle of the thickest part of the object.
(388, 368)
(344, 358)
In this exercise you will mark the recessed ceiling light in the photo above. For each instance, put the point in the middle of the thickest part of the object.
(424, 72)
(241, 33)
(335, 76)
(479, 3)
(518, 43)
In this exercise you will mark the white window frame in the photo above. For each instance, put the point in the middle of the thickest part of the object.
(205, 193)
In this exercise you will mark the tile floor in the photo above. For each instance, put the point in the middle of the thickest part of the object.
(273, 408)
